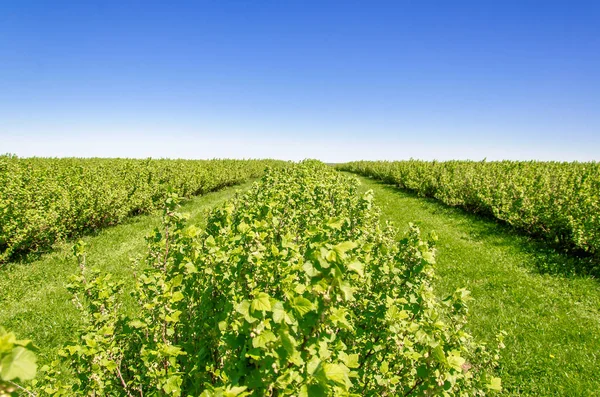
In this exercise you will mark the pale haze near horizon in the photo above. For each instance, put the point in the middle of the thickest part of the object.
(333, 150)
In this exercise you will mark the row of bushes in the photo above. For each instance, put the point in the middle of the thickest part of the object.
(43, 200)
(292, 289)
(560, 201)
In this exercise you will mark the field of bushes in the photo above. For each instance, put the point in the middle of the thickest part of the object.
(294, 286)
(45, 200)
(559, 201)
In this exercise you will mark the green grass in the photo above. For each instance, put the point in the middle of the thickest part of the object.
(519, 285)
(33, 300)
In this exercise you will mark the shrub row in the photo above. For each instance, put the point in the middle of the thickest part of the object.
(43, 200)
(559, 201)
(292, 289)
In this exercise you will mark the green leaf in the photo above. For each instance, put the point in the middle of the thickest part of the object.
(310, 270)
(261, 303)
(177, 296)
(344, 247)
(262, 339)
(357, 267)
(171, 350)
(136, 324)
(429, 257)
(236, 391)
(495, 384)
(455, 361)
(19, 364)
(210, 241)
(173, 385)
(336, 373)
(335, 223)
(222, 326)
(7, 341)
(278, 312)
(280, 315)
(338, 318)
(312, 365)
(302, 305)
(384, 367)
(244, 309)
(109, 365)
(190, 268)
(288, 342)
(438, 354)
(348, 291)
(243, 227)
(177, 280)
(351, 361)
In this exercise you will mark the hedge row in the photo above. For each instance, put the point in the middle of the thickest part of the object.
(292, 289)
(559, 201)
(43, 200)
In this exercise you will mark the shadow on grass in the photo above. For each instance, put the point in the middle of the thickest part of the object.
(546, 257)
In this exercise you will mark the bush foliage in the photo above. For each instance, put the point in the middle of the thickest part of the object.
(559, 201)
(44, 200)
(18, 362)
(292, 288)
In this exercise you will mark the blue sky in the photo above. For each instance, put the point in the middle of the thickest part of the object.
(335, 80)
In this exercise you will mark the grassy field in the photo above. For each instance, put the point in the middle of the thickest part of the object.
(519, 285)
(34, 300)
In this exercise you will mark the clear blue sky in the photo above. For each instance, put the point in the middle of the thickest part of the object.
(335, 80)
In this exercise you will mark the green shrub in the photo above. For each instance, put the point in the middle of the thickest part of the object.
(559, 201)
(293, 288)
(45, 200)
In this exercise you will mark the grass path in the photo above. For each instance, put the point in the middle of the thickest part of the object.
(553, 321)
(33, 300)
